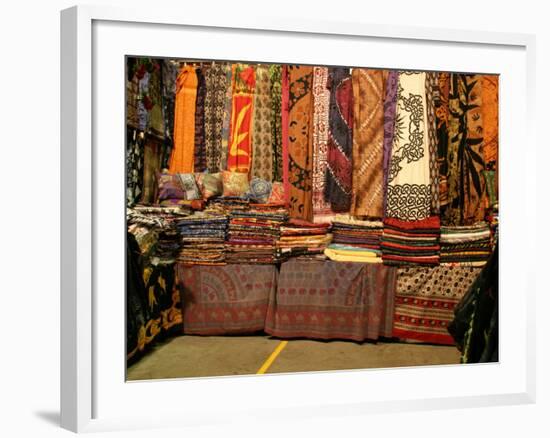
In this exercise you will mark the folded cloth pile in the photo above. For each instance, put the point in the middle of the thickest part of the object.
(346, 253)
(226, 204)
(303, 239)
(155, 231)
(202, 237)
(466, 245)
(411, 242)
(252, 235)
(357, 233)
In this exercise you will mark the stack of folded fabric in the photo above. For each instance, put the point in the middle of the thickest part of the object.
(226, 204)
(252, 235)
(411, 242)
(357, 233)
(466, 245)
(202, 237)
(303, 239)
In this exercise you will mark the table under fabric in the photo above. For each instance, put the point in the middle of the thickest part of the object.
(425, 300)
(332, 300)
(228, 299)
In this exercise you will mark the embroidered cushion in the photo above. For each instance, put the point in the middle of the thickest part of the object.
(210, 184)
(235, 183)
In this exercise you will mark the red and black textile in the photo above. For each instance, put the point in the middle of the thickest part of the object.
(200, 137)
(339, 158)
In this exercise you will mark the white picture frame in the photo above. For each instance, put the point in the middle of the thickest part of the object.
(87, 403)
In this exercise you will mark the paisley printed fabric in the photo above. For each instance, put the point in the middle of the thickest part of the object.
(300, 145)
(431, 126)
(339, 168)
(408, 196)
(390, 105)
(182, 158)
(226, 124)
(368, 139)
(321, 99)
(262, 148)
(275, 78)
(216, 89)
(466, 185)
(240, 141)
(200, 143)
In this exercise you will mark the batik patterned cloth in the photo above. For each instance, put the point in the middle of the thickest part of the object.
(285, 93)
(466, 185)
(432, 90)
(240, 141)
(390, 105)
(134, 165)
(408, 196)
(338, 184)
(200, 141)
(332, 300)
(425, 300)
(225, 299)
(226, 125)
(275, 71)
(300, 142)
(321, 99)
(489, 110)
(262, 147)
(441, 104)
(169, 72)
(216, 89)
(368, 139)
(151, 168)
(182, 158)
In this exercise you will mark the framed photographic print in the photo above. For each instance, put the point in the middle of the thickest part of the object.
(290, 217)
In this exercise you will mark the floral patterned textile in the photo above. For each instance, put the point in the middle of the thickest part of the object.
(321, 98)
(425, 299)
(262, 147)
(332, 300)
(235, 183)
(225, 299)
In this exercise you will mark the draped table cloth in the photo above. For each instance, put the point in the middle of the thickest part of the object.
(228, 299)
(332, 300)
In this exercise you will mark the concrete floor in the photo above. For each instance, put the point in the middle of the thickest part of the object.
(200, 356)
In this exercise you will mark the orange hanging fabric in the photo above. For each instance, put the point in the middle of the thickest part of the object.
(182, 158)
(239, 153)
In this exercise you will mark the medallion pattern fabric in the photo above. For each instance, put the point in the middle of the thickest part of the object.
(300, 141)
(182, 158)
(240, 141)
(465, 164)
(431, 125)
(408, 196)
(275, 72)
(390, 105)
(338, 184)
(262, 147)
(216, 89)
(200, 142)
(368, 139)
(425, 300)
(225, 299)
(321, 100)
(332, 300)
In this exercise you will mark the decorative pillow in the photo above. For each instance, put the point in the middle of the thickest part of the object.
(210, 184)
(277, 193)
(170, 187)
(260, 189)
(189, 186)
(235, 183)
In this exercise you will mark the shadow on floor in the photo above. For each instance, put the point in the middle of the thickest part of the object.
(51, 417)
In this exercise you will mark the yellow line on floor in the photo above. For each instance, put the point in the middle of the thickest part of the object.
(272, 357)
